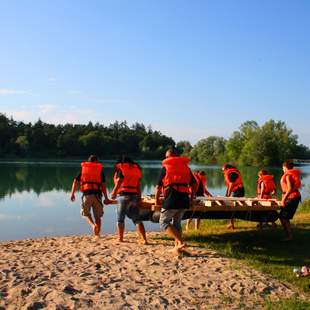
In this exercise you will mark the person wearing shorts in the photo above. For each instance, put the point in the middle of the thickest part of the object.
(127, 178)
(175, 181)
(290, 184)
(92, 184)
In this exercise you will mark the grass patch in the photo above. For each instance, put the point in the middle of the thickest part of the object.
(263, 250)
(288, 304)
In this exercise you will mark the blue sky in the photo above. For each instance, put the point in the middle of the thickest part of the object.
(190, 69)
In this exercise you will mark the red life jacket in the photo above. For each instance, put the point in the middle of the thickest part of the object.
(294, 175)
(131, 177)
(269, 186)
(178, 174)
(91, 176)
(201, 180)
(237, 183)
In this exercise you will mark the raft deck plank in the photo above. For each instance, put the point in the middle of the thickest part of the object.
(229, 204)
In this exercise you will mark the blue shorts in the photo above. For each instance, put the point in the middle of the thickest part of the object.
(128, 205)
(171, 217)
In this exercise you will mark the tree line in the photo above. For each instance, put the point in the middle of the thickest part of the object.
(74, 140)
(266, 145)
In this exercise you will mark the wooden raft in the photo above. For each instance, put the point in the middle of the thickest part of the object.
(220, 203)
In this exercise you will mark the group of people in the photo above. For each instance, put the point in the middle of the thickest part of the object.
(178, 185)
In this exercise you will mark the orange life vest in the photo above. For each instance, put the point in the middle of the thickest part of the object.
(237, 183)
(294, 175)
(91, 176)
(132, 175)
(200, 179)
(178, 174)
(269, 186)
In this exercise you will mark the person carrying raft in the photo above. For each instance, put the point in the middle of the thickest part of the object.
(201, 180)
(92, 185)
(127, 177)
(235, 188)
(266, 187)
(175, 181)
(290, 184)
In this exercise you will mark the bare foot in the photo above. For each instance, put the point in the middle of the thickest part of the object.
(182, 246)
(143, 241)
(231, 227)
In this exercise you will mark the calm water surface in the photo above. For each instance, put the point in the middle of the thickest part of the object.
(34, 196)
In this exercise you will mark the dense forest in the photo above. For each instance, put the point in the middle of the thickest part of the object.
(269, 144)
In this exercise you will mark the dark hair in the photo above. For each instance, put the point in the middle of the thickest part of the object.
(228, 166)
(201, 172)
(263, 172)
(172, 151)
(288, 164)
(124, 159)
(93, 158)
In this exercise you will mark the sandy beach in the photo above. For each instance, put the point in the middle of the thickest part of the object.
(81, 272)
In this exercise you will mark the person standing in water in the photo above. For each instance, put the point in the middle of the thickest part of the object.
(127, 180)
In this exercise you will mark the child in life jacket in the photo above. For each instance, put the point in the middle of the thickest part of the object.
(201, 180)
(266, 187)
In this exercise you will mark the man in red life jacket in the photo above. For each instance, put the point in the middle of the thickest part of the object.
(175, 181)
(92, 185)
(201, 180)
(127, 179)
(290, 184)
(266, 187)
(233, 181)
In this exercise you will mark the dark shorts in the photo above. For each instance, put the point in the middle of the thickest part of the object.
(289, 210)
(239, 192)
(175, 200)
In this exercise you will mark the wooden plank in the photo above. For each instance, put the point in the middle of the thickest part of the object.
(226, 204)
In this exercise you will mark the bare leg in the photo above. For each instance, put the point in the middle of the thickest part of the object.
(141, 231)
(98, 227)
(120, 230)
(197, 224)
(232, 224)
(174, 233)
(187, 224)
(91, 223)
(287, 228)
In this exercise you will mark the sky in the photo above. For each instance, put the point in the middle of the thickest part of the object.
(190, 69)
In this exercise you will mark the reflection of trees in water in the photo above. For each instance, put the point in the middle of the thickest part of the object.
(41, 178)
(44, 178)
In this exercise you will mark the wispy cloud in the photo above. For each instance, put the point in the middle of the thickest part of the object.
(10, 91)
(47, 108)
(51, 78)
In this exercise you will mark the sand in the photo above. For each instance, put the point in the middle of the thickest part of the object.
(81, 272)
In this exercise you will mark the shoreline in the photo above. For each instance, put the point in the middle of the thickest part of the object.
(79, 272)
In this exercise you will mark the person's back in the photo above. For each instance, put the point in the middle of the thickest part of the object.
(127, 179)
(266, 186)
(175, 180)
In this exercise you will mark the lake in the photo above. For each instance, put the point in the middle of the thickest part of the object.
(34, 196)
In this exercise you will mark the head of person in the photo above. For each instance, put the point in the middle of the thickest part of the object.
(262, 172)
(287, 165)
(201, 172)
(93, 159)
(171, 152)
(227, 166)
